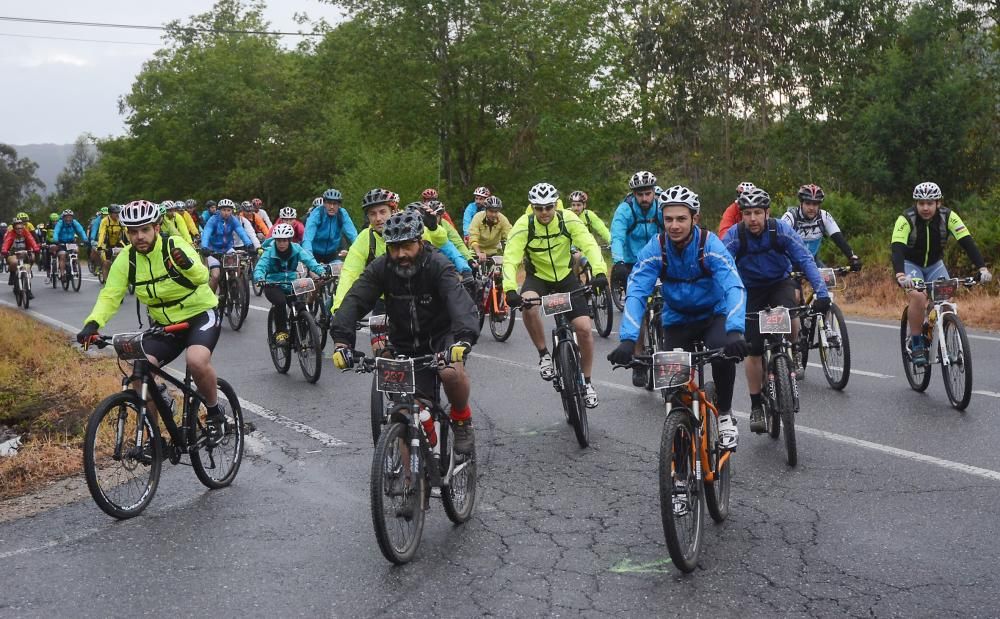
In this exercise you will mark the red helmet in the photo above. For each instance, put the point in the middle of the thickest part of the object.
(811, 193)
(257, 202)
(578, 196)
(429, 194)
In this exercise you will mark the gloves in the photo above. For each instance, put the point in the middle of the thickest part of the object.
(855, 264)
(180, 259)
(599, 281)
(985, 276)
(513, 299)
(623, 354)
(87, 334)
(343, 358)
(204, 251)
(473, 264)
(736, 346)
(905, 281)
(458, 351)
(620, 272)
(821, 304)
(430, 219)
(260, 252)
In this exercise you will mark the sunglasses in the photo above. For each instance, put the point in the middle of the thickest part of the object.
(541, 208)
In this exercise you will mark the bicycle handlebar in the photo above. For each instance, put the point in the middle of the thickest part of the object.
(700, 357)
(837, 270)
(968, 282)
(102, 341)
(365, 364)
(538, 301)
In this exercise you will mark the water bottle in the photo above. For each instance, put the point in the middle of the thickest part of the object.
(428, 423)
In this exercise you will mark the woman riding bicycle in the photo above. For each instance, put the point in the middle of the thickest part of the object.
(278, 265)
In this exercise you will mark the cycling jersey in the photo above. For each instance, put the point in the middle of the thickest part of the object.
(323, 233)
(281, 269)
(765, 259)
(95, 227)
(218, 234)
(730, 217)
(257, 223)
(813, 231)
(192, 227)
(173, 224)
(456, 239)
(631, 229)
(12, 241)
(922, 241)
(470, 211)
(111, 233)
(66, 233)
(548, 248)
(486, 237)
(595, 226)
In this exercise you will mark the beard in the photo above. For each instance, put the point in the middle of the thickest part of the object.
(406, 271)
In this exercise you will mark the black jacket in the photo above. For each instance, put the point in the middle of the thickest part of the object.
(427, 311)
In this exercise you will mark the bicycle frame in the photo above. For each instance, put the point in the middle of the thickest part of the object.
(937, 343)
(182, 437)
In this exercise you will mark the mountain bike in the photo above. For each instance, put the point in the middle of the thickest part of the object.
(412, 455)
(618, 286)
(303, 333)
(828, 333)
(780, 393)
(323, 299)
(124, 449)
(492, 302)
(71, 273)
(568, 379)
(22, 280)
(695, 472)
(947, 341)
(599, 301)
(234, 293)
(653, 328)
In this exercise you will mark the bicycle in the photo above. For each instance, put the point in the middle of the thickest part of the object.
(830, 337)
(303, 333)
(947, 341)
(492, 302)
(568, 379)
(22, 281)
(412, 455)
(599, 301)
(234, 294)
(653, 324)
(71, 268)
(123, 448)
(323, 299)
(695, 472)
(618, 290)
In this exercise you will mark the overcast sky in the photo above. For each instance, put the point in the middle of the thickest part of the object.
(53, 90)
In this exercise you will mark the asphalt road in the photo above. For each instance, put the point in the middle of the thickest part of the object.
(890, 511)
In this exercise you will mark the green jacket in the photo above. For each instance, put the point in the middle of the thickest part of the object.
(456, 238)
(549, 250)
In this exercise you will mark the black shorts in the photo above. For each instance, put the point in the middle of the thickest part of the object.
(569, 284)
(781, 293)
(711, 331)
(327, 258)
(204, 330)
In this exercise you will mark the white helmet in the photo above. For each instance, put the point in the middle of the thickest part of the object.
(287, 213)
(139, 213)
(318, 202)
(226, 203)
(642, 179)
(744, 187)
(678, 195)
(482, 192)
(927, 191)
(543, 194)
(283, 231)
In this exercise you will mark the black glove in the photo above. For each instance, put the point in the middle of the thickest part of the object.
(620, 272)
(623, 354)
(88, 332)
(513, 299)
(430, 219)
(180, 259)
(821, 304)
(736, 345)
(855, 264)
(204, 251)
(599, 281)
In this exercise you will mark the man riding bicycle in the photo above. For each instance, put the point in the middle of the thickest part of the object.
(111, 234)
(814, 224)
(545, 238)
(326, 228)
(66, 231)
(279, 264)
(172, 283)
(478, 203)
(217, 238)
(428, 312)
(732, 215)
(918, 240)
(488, 229)
(17, 238)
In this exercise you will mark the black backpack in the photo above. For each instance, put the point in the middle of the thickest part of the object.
(705, 271)
(772, 231)
(173, 273)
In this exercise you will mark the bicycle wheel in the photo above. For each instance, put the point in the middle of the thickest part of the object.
(64, 277)
(573, 390)
(785, 401)
(237, 300)
(396, 501)
(77, 277)
(280, 354)
(804, 343)
(92, 266)
(459, 496)
(918, 377)
(122, 478)
(618, 292)
(377, 405)
(603, 309)
(716, 491)
(258, 289)
(310, 355)
(652, 345)
(958, 372)
(217, 461)
(681, 497)
(836, 355)
(502, 322)
(100, 273)
(22, 291)
(54, 275)
(323, 317)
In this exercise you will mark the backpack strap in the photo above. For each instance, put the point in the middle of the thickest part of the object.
(705, 271)
(772, 232)
(371, 246)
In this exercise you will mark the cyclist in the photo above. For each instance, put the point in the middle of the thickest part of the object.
(765, 250)
(327, 227)
(288, 215)
(92, 232)
(545, 237)
(27, 223)
(171, 282)
(173, 221)
(578, 204)
(188, 210)
(66, 231)
(217, 237)
(489, 228)
(731, 216)
(918, 240)
(636, 220)
(430, 194)
(50, 229)
(17, 238)
(703, 297)
(428, 312)
(278, 264)
(211, 208)
(251, 225)
(814, 224)
(111, 234)
(258, 209)
(478, 203)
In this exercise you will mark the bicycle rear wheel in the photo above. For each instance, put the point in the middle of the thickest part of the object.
(603, 310)
(918, 377)
(459, 496)
(681, 497)
(618, 292)
(217, 461)
(239, 302)
(573, 390)
(280, 354)
(785, 401)
(122, 478)
(836, 355)
(64, 277)
(958, 372)
(716, 491)
(310, 354)
(396, 500)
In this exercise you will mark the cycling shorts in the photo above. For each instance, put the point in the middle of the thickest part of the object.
(203, 330)
(570, 283)
(929, 273)
(780, 293)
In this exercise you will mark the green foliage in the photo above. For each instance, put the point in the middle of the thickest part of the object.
(17, 182)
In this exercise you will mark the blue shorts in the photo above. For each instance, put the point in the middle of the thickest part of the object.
(929, 273)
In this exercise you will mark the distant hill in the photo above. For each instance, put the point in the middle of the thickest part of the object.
(51, 159)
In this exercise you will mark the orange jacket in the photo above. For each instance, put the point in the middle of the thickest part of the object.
(730, 218)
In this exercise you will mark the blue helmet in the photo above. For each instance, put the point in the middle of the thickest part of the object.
(332, 195)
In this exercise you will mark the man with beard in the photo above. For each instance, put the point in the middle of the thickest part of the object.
(427, 309)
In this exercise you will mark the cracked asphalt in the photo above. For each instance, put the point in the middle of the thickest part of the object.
(853, 530)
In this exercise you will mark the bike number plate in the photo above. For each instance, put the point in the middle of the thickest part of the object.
(335, 268)
(303, 285)
(378, 325)
(777, 320)
(230, 261)
(498, 260)
(128, 346)
(558, 303)
(72, 247)
(943, 290)
(829, 277)
(671, 369)
(394, 375)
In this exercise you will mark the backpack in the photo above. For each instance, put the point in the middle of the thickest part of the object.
(528, 266)
(772, 231)
(705, 271)
(797, 217)
(173, 273)
(911, 216)
(635, 217)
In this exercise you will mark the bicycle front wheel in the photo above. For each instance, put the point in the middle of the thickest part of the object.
(396, 497)
(310, 354)
(216, 461)
(502, 321)
(122, 476)
(280, 355)
(459, 496)
(603, 309)
(681, 497)
(377, 404)
(958, 371)
(238, 301)
(918, 376)
(573, 390)
(785, 404)
(618, 292)
(835, 356)
(716, 491)
(77, 277)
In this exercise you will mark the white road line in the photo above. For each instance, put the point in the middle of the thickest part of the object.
(853, 371)
(896, 328)
(992, 394)
(260, 309)
(49, 544)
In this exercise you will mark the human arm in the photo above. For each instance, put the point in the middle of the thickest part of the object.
(348, 228)
(900, 236)
(641, 283)
(102, 233)
(619, 228)
(720, 262)
(306, 258)
(470, 211)
(514, 252)
(793, 248)
(598, 228)
(456, 240)
(585, 242)
(958, 229)
(312, 224)
(239, 228)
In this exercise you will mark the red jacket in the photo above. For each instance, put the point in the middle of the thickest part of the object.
(8, 240)
(300, 229)
(730, 218)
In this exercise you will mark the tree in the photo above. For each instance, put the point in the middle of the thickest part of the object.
(82, 158)
(17, 181)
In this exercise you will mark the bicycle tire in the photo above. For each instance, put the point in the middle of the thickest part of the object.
(387, 463)
(919, 378)
(377, 409)
(958, 374)
(53, 276)
(716, 492)
(604, 311)
(618, 291)
(280, 355)
(459, 497)
(237, 290)
(64, 276)
(806, 325)
(77, 280)
(99, 463)
(773, 420)
(22, 292)
(91, 266)
(676, 455)
(837, 380)
(786, 406)
(652, 345)
(230, 447)
(310, 356)
(568, 362)
(258, 289)
(501, 334)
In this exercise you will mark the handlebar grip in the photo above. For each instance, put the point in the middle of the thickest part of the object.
(181, 326)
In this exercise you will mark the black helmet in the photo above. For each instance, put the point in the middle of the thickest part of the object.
(406, 225)
(755, 198)
(376, 196)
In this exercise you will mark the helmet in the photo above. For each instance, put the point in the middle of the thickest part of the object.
(436, 206)
(429, 194)
(578, 196)
(494, 203)
(678, 195)
(3, 224)
(658, 191)
(318, 202)
(287, 213)
(257, 202)
(140, 213)
(406, 225)
(246, 206)
(163, 207)
(39, 227)
(394, 198)
(927, 191)
(190, 203)
(67, 212)
(332, 195)
(114, 209)
(53, 217)
(210, 203)
(482, 192)
(376, 196)
(543, 194)
(283, 231)
(22, 216)
(226, 203)
(641, 180)
(178, 206)
(744, 186)
(104, 210)
(811, 193)
(754, 198)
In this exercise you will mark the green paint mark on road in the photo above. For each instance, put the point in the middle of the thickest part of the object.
(625, 566)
